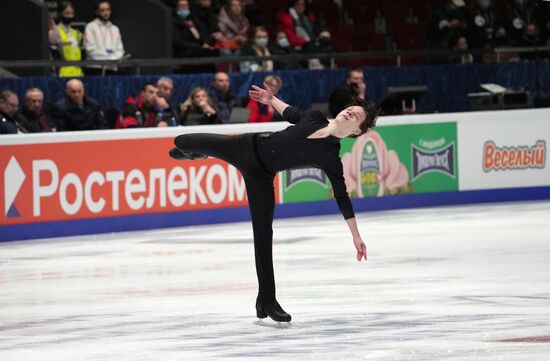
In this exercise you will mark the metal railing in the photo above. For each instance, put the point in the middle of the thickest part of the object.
(398, 55)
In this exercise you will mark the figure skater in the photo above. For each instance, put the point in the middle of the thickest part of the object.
(311, 141)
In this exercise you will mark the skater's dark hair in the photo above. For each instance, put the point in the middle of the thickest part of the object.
(371, 110)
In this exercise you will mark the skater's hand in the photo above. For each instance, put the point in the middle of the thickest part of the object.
(260, 95)
(361, 248)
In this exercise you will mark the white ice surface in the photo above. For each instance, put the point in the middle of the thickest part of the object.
(440, 283)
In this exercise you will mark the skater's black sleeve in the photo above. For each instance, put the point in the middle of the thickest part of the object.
(292, 114)
(335, 173)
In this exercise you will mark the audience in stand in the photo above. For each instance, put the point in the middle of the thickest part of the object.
(518, 15)
(482, 21)
(282, 47)
(321, 45)
(232, 22)
(207, 20)
(102, 40)
(9, 120)
(199, 109)
(221, 96)
(165, 89)
(530, 38)
(445, 22)
(76, 111)
(459, 44)
(66, 42)
(259, 112)
(297, 23)
(142, 110)
(345, 93)
(189, 40)
(33, 116)
(258, 46)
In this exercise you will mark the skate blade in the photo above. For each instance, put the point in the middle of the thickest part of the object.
(272, 324)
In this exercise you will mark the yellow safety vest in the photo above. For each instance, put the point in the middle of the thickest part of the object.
(70, 52)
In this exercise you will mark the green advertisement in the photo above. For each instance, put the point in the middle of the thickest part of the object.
(394, 159)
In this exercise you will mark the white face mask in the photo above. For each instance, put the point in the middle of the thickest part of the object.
(261, 42)
(283, 43)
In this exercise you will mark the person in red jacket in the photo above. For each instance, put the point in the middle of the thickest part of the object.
(142, 110)
(259, 112)
(297, 24)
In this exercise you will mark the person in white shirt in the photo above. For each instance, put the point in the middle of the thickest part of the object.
(102, 40)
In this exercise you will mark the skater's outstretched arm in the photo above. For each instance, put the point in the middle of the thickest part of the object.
(357, 241)
(265, 96)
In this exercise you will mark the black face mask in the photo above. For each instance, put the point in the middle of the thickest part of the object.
(66, 20)
(500, 41)
(324, 41)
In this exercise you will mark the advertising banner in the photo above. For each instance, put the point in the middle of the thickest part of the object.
(106, 178)
(390, 160)
(501, 153)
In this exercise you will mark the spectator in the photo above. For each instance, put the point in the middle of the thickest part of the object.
(500, 40)
(188, 41)
(165, 87)
(143, 110)
(282, 47)
(258, 47)
(232, 22)
(220, 93)
(343, 94)
(322, 44)
(67, 41)
(518, 15)
(530, 38)
(76, 111)
(481, 24)
(459, 44)
(259, 112)
(9, 120)
(199, 109)
(207, 21)
(298, 26)
(445, 22)
(32, 115)
(102, 39)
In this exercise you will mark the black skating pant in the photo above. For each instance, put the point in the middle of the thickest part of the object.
(241, 151)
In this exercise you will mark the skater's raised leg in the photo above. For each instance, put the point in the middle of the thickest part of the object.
(202, 145)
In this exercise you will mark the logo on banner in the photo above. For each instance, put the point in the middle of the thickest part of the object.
(427, 161)
(13, 181)
(294, 176)
(519, 157)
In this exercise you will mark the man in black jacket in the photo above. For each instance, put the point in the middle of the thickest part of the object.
(76, 111)
(345, 93)
(9, 120)
(33, 116)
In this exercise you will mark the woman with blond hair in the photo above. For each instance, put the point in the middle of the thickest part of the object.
(199, 109)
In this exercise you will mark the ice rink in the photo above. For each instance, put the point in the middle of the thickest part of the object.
(448, 283)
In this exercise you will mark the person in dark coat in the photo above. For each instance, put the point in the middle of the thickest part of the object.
(222, 97)
(311, 141)
(281, 46)
(76, 111)
(445, 23)
(199, 109)
(9, 120)
(343, 94)
(33, 116)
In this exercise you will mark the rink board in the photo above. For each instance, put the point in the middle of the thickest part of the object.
(110, 181)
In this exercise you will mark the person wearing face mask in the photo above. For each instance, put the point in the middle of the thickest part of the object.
(297, 23)
(445, 22)
(481, 23)
(188, 40)
(518, 15)
(282, 47)
(258, 46)
(322, 44)
(66, 40)
(102, 39)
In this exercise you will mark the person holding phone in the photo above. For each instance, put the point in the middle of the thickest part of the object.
(343, 94)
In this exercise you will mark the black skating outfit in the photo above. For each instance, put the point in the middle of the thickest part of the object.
(259, 156)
